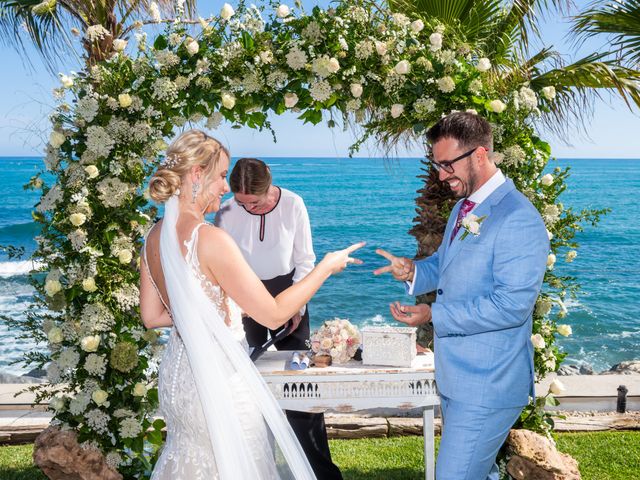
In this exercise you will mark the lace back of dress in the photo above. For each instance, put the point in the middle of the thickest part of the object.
(252, 440)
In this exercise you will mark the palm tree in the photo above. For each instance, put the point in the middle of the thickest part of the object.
(47, 24)
(502, 31)
(620, 21)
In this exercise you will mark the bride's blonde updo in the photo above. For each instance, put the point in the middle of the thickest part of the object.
(192, 148)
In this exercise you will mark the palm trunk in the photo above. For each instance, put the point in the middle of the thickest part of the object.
(433, 206)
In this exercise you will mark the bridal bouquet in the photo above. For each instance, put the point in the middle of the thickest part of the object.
(338, 338)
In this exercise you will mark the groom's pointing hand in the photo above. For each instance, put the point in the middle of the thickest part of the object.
(400, 267)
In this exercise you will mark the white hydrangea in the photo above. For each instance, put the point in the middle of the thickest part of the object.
(94, 33)
(543, 306)
(296, 58)
(446, 84)
(68, 358)
(97, 317)
(277, 79)
(475, 86)
(358, 14)
(130, 428)
(127, 296)
(79, 403)
(551, 214)
(312, 33)
(154, 12)
(98, 421)
(324, 66)
(353, 105)
(99, 141)
(95, 364)
(447, 57)
(364, 49)
(112, 191)
(514, 156)
(50, 200)
(113, 459)
(424, 106)
(87, 108)
(527, 98)
(214, 120)
(164, 89)
(320, 90)
(252, 83)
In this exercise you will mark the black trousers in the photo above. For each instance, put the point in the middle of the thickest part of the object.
(308, 427)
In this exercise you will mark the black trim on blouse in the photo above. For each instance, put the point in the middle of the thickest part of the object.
(262, 215)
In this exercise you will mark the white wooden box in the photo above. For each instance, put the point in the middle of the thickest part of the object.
(389, 346)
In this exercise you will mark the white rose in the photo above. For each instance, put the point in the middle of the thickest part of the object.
(290, 100)
(192, 47)
(282, 11)
(396, 110)
(139, 390)
(556, 387)
(333, 65)
(549, 92)
(77, 219)
(57, 403)
(484, 64)
(52, 287)
(66, 81)
(356, 90)
(381, 48)
(92, 171)
(55, 335)
(546, 180)
(571, 255)
(417, 26)
(56, 139)
(497, 106)
(551, 260)
(99, 397)
(564, 330)
(89, 284)
(125, 256)
(537, 341)
(124, 99)
(266, 56)
(228, 100)
(402, 67)
(474, 228)
(90, 343)
(436, 41)
(227, 12)
(119, 44)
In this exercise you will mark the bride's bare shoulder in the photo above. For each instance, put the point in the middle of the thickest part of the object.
(210, 235)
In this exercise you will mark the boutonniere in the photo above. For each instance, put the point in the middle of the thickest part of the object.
(471, 225)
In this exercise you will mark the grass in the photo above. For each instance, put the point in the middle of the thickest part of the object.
(601, 455)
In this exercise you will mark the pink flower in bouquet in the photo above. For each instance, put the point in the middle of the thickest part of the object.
(338, 338)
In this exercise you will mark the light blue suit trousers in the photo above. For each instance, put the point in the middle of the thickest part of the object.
(487, 286)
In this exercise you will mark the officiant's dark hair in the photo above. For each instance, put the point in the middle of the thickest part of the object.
(250, 176)
(469, 129)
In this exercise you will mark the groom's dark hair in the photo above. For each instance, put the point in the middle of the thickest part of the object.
(469, 129)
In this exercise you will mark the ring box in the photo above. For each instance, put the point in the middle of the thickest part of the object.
(388, 346)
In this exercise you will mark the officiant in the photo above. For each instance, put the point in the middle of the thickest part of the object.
(271, 226)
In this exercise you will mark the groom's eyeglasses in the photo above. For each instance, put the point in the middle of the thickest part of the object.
(447, 166)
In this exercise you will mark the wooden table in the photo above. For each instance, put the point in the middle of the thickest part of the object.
(353, 386)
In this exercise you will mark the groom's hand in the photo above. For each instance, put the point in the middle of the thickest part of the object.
(412, 315)
(400, 267)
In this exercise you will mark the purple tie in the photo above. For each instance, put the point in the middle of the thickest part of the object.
(467, 206)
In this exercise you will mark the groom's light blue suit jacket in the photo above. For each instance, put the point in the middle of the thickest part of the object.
(486, 291)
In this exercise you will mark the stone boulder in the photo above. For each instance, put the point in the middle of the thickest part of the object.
(60, 457)
(631, 367)
(535, 457)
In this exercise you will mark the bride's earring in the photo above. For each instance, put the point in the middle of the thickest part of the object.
(194, 191)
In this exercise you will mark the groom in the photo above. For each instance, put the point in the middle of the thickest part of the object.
(487, 282)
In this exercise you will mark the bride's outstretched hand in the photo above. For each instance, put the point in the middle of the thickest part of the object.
(338, 260)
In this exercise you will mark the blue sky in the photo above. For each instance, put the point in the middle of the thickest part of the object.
(26, 102)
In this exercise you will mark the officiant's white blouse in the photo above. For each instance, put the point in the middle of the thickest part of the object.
(273, 243)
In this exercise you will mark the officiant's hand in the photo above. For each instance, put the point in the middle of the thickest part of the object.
(412, 315)
(401, 268)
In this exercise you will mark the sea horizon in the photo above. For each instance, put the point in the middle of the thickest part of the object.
(348, 203)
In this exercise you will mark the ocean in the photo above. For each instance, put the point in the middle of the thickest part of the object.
(370, 199)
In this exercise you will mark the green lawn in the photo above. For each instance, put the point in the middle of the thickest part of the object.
(602, 456)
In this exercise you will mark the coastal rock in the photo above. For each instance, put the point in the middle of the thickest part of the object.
(565, 370)
(10, 378)
(535, 457)
(586, 369)
(60, 457)
(36, 373)
(631, 367)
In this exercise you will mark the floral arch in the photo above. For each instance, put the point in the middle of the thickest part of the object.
(393, 75)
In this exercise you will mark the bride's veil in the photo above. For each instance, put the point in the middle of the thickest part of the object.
(218, 361)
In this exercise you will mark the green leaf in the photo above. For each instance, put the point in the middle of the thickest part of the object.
(247, 41)
(160, 42)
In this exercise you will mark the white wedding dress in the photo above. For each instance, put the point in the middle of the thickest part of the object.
(222, 420)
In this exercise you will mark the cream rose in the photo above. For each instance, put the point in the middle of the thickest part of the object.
(227, 12)
(435, 39)
(402, 67)
(57, 403)
(55, 335)
(92, 171)
(381, 48)
(228, 101)
(290, 100)
(396, 110)
(66, 81)
(356, 90)
(283, 11)
(571, 255)
(125, 256)
(551, 260)
(484, 64)
(139, 390)
(89, 284)
(56, 139)
(119, 44)
(192, 47)
(556, 387)
(417, 26)
(537, 341)
(326, 343)
(124, 99)
(90, 343)
(99, 397)
(546, 180)
(497, 106)
(51, 287)
(549, 92)
(564, 330)
(77, 219)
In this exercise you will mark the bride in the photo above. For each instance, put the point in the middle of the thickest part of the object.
(222, 420)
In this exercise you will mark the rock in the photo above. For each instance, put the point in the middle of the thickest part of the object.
(586, 369)
(569, 370)
(10, 378)
(532, 452)
(631, 367)
(60, 457)
(36, 373)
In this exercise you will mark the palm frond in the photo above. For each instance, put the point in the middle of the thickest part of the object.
(618, 20)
